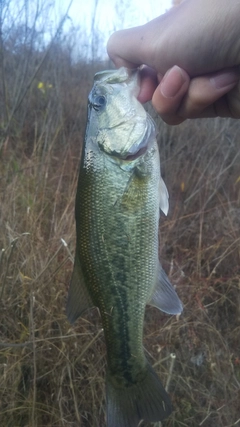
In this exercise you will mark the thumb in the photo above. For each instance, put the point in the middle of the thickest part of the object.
(121, 47)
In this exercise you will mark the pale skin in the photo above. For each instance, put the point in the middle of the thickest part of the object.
(190, 59)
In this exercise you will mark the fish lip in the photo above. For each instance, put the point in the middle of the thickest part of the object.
(129, 157)
(137, 154)
(145, 143)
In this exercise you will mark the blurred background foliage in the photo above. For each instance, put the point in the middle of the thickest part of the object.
(52, 374)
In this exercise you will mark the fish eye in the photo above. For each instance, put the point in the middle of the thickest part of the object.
(99, 102)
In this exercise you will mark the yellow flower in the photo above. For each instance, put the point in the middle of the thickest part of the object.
(44, 86)
(237, 180)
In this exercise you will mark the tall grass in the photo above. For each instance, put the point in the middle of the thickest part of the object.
(52, 374)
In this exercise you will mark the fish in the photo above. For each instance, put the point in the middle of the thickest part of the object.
(119, 197)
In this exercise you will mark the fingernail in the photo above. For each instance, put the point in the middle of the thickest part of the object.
(172, 82)
(224, 79)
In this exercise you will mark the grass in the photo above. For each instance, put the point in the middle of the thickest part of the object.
(52, 373)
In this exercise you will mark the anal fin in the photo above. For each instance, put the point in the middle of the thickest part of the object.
(79, 299)
(164, 296)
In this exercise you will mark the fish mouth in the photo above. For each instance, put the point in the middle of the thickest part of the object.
(128, 157)
(137, 154)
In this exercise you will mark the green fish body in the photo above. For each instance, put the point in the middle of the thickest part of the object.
(120, 192)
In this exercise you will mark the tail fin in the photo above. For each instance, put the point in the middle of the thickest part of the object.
(146, 400)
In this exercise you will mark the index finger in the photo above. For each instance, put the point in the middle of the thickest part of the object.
(149, 80)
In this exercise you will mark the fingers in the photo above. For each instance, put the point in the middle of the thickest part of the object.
(169, 94)
(177, 97)
(207, 95)
(121, 47)
(200, 36)
(149, 82)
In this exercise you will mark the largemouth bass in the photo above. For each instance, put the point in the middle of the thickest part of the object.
(120, 192)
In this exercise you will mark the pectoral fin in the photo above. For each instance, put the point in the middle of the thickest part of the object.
(164, 205)
(79, 299)
(164, 296)
(133, 195)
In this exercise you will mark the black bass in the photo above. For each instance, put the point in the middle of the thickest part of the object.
(120, 192)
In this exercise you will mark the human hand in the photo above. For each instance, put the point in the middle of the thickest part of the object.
(192, 55)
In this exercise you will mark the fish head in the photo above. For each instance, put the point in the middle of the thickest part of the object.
(118, 122)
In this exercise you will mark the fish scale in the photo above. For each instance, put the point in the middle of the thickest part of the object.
(116, 268)
(121, 283)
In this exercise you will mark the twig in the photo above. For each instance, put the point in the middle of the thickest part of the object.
(73, 394)
(172, 362)
(13, 244)
(22, 95)
(32, 330)
(14, 345)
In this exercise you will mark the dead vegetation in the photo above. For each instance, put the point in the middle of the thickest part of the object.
(52, 374)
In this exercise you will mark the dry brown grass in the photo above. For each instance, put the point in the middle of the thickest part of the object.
(52, 374)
